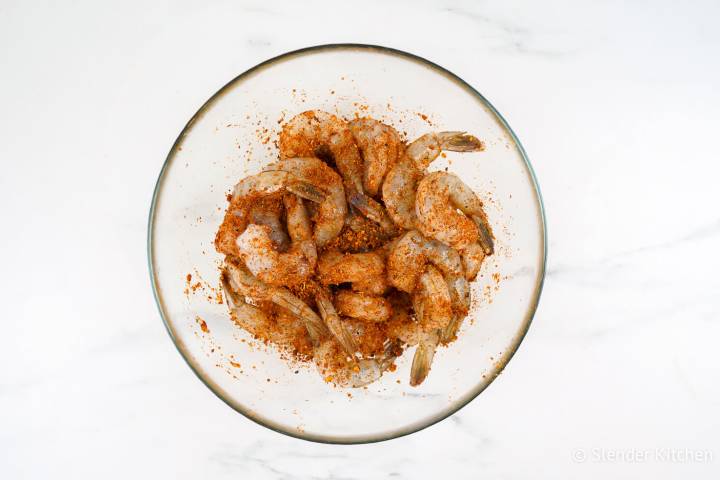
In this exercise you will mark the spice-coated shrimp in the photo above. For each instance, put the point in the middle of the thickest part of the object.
(271, 266)
(241, 281)
(271, 216)
(299, 227)
(244, 283)
(380, 146)
(277, 182)
(257, 199)
(472, 258)
(330, 213)
(459, 290)
(363, 281)
(334, 322)
(427, 148)
(331, 363)
(287, 331)
(401, 181)
(257, 250)
(373, 285)
(364, 271)
(402, 324)
(371, 308)
(433, 307)
(439, 196)
(432, 301)
(407, 260)
(335, 267)
(318, 133)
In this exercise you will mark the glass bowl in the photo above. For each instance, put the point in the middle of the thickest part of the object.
(233, 134)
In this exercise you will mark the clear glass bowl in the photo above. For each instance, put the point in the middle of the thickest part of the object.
(232, 136)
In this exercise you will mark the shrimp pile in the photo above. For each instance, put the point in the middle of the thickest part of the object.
(346, 251)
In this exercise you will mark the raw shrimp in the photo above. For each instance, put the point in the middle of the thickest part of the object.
(412, 252)
(315, 133)
(334, 323)
(242, 282)
(335, 268)
(256, 248)
(364, 271)
(398, 191)
(459, 290)
(267, 264)
(270, 216)
(380, 146)
(335, 368)
(371, 308)
(315, 264)
(322, 134)
(407, 261)
(250, 317)
(255, 199)
(330, 213)
(299, 227)
(402, 325)
(271, 182)
(427, 148)
(439, 196)
(472, 258)
(374, 285)
(432, 301)
(287, 330)
(433, 309)
(248, 285)
(265, 210)
(427, 341)
(369, 336)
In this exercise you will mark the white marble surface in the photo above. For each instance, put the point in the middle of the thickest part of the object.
(617, 104)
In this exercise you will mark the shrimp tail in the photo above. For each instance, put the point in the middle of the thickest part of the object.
(448, 333)
(372, 210)
(422, 360)
(334, 323)
(232, 297)
(314, 325)
(459, 142)
(486, 236)
(307, 191)
(369, 370)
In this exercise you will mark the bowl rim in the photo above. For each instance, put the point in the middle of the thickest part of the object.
(327, 439)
